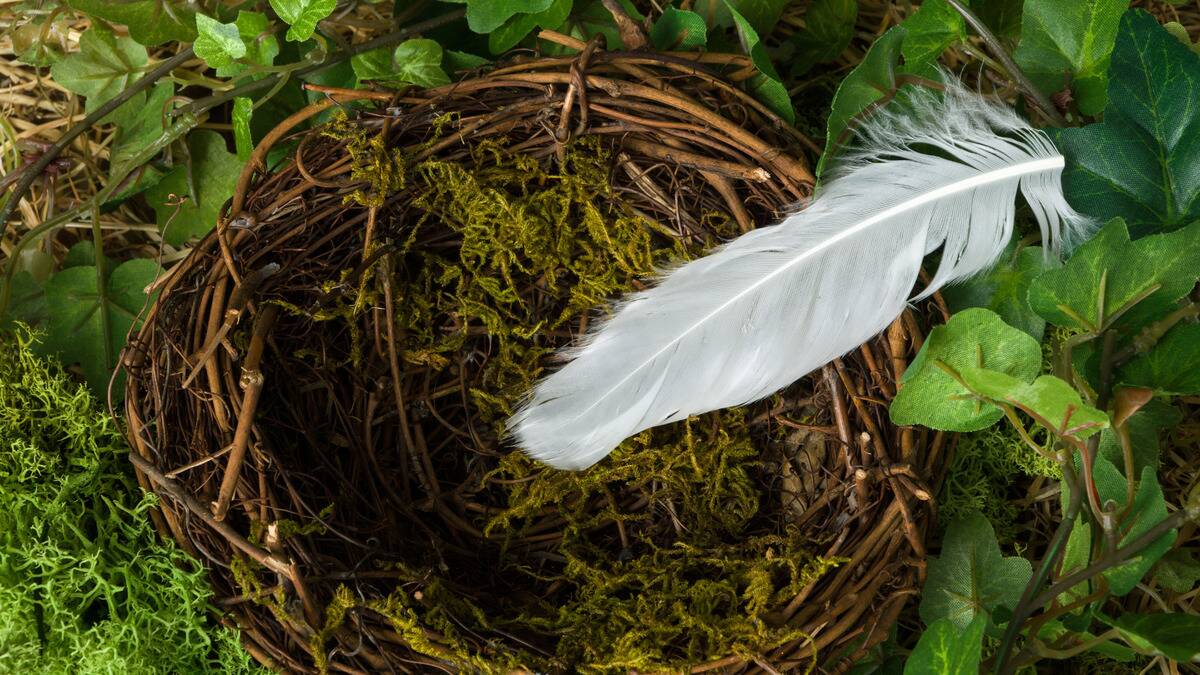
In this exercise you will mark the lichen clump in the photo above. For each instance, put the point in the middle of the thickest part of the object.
(670, 553)
(85, 585)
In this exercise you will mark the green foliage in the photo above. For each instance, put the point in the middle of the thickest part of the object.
(1174, 635)
(1147, 510)
(1171, 367)
(971, 577)
(150, 22)
(219, 44)
(140, 122)
(1139, 163)
(204, 181)
(261, 45)
(828, 29)
(1005, 289)
(767, 85)
(1178, 570)
(85, 585)
(417, 61)
(679, 29)
(761, 14)
(973, 338)
(77, 331)
(515, 29)
(243, 141)
(1068, 44)
(302, 16)
(948, 649)
(104, 66)
(1003, 17)
(1144, 429)
(485, 16)
(934, 27)
(1154, 272)
(1052, 403)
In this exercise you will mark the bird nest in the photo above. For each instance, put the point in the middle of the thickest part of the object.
(319, 391)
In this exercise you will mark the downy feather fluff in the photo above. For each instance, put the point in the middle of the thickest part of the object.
(781, 301)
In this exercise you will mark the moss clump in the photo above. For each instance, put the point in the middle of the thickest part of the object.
(986, 466)
(85, 585)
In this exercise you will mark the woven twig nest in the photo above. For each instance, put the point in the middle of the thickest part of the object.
(319, 390)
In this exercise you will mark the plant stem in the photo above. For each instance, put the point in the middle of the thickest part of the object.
(1026, 605)
(1014, 70)
(34, 170)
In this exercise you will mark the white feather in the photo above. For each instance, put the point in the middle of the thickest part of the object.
(781, 301)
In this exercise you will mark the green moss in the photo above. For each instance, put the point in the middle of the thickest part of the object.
(85, 585)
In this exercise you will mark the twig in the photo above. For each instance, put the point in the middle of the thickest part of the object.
(1014, 70)
(34, 170)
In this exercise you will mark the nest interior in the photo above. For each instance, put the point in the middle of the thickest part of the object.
(318, 394)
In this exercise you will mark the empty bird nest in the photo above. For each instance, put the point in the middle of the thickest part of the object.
(319, 391)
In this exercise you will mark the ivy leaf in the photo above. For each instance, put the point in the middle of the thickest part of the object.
(828, 29)
(261, 46)
(485, 16)
(1004, 289)
(1140, 162)
(214, 170)
(767, 85)
(1068, 296)
(75, 331)
(26, 303)
(417, 61)
(150, 22)
(506, 36)
(971, 577)
(1172, 367)
(104, 66)
(972, 338)
(946, 649)
(1051, 401)
(1149, 508)
(302, 16)
(1178, 571)
(679, 29)
(219, 44)
(933, 28)
(761, 14)
(1069, 43)
(140, 123)
(1174, 635)
(871, 80)
(458, 62)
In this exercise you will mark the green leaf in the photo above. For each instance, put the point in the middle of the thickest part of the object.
(75, 332)
(1174, 635)
(1076, 556)
(946, 649)
(261, 45)
(1140, 162)
(767, 86)
(219, 44)
(27, 302)
(104, 66)
(870, 81)
(679, 30)
(1051, 401)
(931, 397)
(506, 36)
(419, 61)
(933, 28)
(457, 62)
(1178, 571)
(485, 16)
(761, 14)
(1180, 32)
(1149, 508)
(1144, 427)
(1069, 296)
(1004, 289)
(971, 577)
(1172, 367)
(1069, 43)
(243, 141)
(140, 122)
(590, 18)
(302, 16)
(828, 29)
(214, 171)
(150, 22)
